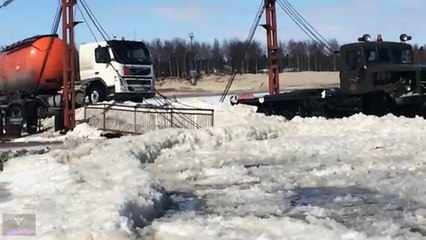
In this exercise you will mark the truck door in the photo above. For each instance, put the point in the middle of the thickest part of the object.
(103, 67)
(352, 71)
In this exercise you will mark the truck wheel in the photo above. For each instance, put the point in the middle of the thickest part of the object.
(59, 120)
(96, 93)
(15, 115)
(377, 105)
(33, 115)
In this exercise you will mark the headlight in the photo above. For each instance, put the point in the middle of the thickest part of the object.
(408, 88)
(365, 38)
(404, 38)
(407, 84)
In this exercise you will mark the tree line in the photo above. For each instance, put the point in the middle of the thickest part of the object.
(181, 58)
(184, 59)
(419, 54)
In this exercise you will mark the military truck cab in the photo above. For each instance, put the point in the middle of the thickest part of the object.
(370, 66)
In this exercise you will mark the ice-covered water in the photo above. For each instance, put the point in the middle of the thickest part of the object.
(354, 178)
(249, 177)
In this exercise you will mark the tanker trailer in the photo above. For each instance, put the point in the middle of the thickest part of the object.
(31, 73)
(33, 66)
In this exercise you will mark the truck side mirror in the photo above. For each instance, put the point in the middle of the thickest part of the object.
(362, 66)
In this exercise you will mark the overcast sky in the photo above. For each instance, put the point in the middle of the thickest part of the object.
(344, 20)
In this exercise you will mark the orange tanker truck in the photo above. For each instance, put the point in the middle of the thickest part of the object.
(31, 73)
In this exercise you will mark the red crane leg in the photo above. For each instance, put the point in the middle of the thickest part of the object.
(68, 95)
(272, 46)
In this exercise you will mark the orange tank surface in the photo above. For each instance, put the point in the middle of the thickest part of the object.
(32, 65)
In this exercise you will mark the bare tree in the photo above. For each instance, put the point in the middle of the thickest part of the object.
(176, 58)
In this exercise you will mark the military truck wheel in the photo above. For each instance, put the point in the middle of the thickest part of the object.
(410, 110)
(378, 104)
(96, 93)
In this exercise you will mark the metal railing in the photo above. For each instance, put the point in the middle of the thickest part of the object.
(142, 119)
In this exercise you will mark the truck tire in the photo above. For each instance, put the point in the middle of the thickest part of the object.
(59, 120)
(15, 115)
(32, 117)
(377, 104)
(96, 93)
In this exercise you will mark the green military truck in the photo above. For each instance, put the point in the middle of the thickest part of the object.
(376, 78)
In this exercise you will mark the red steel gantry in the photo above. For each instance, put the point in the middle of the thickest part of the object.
(272, 44)
(69, 75)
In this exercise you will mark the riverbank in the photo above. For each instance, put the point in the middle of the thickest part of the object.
(256, 83)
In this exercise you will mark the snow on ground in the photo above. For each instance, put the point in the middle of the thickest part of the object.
(82, 130)
(249, 177)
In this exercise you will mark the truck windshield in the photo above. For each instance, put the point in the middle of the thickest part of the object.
(388, 55)
(131, 54)
(404, 55)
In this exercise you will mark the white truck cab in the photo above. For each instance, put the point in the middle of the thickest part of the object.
(117, 69)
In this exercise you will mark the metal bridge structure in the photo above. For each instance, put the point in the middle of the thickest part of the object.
(140, 119)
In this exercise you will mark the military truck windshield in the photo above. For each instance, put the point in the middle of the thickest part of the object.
(130, 53)
(404, 55)
(388, 55)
